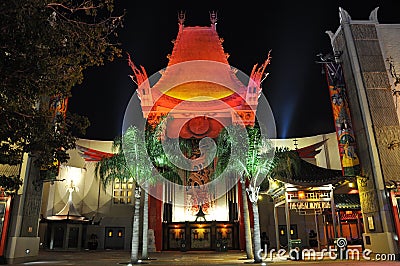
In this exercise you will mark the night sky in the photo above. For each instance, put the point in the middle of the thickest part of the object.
(294, 30)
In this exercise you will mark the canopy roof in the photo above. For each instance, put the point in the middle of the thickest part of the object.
(347, 201)
(291, 168)
(9, 170)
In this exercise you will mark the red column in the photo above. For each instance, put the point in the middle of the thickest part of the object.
(395, 208)
(155, 214)
(242, 241)
(241, 215)
(6, 218)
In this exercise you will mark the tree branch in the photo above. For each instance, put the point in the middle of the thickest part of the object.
(72, 10)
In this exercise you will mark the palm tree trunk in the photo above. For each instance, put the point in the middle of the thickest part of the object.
(246, 220)
(257, 236)
(135, 229)
(145, 254)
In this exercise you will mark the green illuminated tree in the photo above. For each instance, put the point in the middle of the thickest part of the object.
(140, 166)
(286, 164)
(228, 138)
(258, 163)
(254, 167)
(130, 161)
(154, 144)
(162, 166)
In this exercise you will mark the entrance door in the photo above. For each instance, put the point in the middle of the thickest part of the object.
(283, 236)
(73, 237)
(58, 237)
(114, 238)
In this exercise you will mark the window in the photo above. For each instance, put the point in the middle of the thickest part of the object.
(123, 191)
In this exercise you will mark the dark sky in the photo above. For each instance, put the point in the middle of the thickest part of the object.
(294, 31)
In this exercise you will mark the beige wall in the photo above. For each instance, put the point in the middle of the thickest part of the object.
(389, 39)
(91, 200)
(328, 157)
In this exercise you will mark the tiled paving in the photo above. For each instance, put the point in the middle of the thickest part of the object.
(59, 258)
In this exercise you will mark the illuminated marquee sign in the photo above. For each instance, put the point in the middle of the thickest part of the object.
(309, 205)
(307, 202)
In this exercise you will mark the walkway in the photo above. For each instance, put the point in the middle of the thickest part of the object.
(172, 258)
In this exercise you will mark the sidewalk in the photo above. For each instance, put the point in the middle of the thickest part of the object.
(112, 257)
(172, 258)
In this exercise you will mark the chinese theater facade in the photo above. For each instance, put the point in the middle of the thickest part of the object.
(197, 95)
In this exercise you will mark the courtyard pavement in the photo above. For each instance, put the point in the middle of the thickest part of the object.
(171, 258)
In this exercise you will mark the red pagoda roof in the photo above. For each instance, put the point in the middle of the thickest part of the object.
(198, 81)
(198, 69)
(197, 43)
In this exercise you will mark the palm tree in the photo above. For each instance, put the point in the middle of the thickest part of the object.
(255, 166)
(155, 142)
(158, 158)
(145, 246)
(286, 163)
(246, 220)
(130, 161)
(139, 164)
(258, 163)
(113, 168)
(233, 136)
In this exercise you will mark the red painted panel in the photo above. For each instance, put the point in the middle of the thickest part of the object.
(5, 223)
(155, 215)
(395, 207)
(242, 242)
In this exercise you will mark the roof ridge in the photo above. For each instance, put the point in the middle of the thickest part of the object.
(200, 45)
(180, 54)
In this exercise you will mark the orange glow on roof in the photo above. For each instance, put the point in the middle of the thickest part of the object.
(198, 69)
(198, 43)
(199, 91)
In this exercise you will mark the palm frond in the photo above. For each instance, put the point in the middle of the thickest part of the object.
(137, 159)
(286, 163)
(110, 168)
(154, 138)
(130, 161)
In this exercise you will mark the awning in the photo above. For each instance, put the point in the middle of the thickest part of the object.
(291, 168)
(347, 201)
(9, 170)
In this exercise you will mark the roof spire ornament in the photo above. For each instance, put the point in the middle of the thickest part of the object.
(295, 144)
(181, 18)
(213, 19)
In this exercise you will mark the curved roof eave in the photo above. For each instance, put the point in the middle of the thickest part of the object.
(309, 174)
